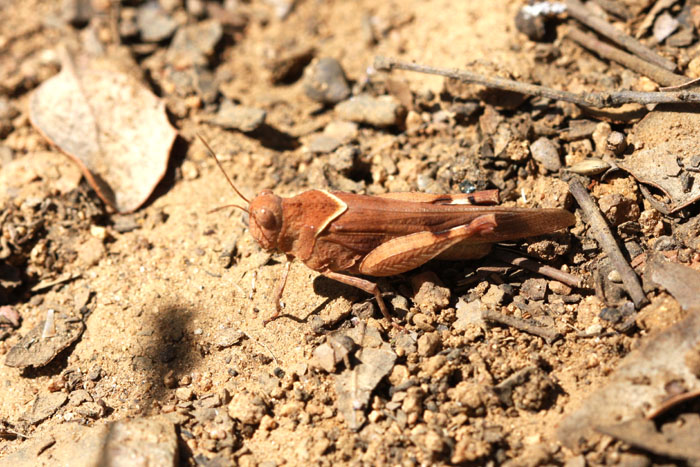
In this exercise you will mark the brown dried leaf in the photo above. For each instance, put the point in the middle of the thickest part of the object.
(115, 129)
(680, 281)
(639, 383)
(666, 142)
(33, 350)
(676, 440)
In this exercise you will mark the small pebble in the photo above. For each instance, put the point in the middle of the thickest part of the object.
(534, 289)
(98, 232)
(190, 170)
(184, 394)
(287, 65)
(428, 344)
(430, 295)
(323, 144)
(617, 143)
(7, 113)
(239, 117)
(379, 111)
(559, 288)
(433, 364)
(154, 23)
(683, 38)
(614, 276)
(194, 44)
(533, 26)
(195, 8)
(405, 345)
(324, 358)
(423, 322)
(546, 153)
(664, 26)
(343, 160)
(493, 296)
(342, 130)
(325, 82)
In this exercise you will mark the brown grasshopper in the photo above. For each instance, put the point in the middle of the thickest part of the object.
(340, 234)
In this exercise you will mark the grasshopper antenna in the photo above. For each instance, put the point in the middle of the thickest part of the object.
(213, 154)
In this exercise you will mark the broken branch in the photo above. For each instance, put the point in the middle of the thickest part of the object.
(607, 51)
(514, 259)
(579, 12)
(607, 242)
(592, 99)
(548, 334)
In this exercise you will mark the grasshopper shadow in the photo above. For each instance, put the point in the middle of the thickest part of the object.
(167, 349)
(329, 290)
(272, 138)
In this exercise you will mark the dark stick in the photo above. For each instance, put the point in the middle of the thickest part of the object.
(582, 14)
(651, 70)
(512, 258)
(607, 242)
(594, 99)
(548, 334)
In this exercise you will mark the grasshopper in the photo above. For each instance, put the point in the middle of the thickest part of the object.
(342, 235)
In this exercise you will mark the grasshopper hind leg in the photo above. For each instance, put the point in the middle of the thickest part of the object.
(362, 284)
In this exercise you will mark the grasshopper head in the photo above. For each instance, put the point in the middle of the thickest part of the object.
(266, 219)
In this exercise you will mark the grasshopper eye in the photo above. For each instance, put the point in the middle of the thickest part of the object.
(265, 219)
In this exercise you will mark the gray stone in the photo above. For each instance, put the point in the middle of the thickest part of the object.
(376, 111)
(193, 45)
(239, 117)
(322, 144)
(546, 153)
(325, 82)
(534, 289)
(154, 23)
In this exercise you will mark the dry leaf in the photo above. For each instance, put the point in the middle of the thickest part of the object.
(115, 129)
(35, 350)
(666, 147)
(639, 383)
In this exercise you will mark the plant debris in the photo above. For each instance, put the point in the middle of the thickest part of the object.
(91, 114)
(36, 349)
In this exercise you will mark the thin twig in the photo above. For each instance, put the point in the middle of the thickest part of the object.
(607, 242)
(548, 334)
(592, 99)
(693, 83)
(579, 12)
(651, 70)
(514, 259)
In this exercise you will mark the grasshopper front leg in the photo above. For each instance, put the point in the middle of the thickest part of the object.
(279, 290)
